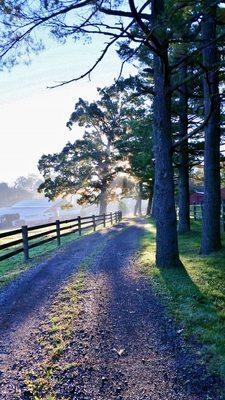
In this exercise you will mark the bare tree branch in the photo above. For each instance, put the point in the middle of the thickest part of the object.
(124, 13)
(90, 70)
(194, 132)
(42, 20)
(196, 51)
(145, 29)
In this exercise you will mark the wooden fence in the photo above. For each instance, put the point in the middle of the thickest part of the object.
(196, 211)
(55, 231)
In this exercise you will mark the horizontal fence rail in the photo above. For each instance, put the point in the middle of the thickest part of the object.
(27, 237)
(196, 212)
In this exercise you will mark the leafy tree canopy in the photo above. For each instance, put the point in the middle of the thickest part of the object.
(89, 165)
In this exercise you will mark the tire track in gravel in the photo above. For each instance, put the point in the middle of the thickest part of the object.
(126, 346)
(25, 302)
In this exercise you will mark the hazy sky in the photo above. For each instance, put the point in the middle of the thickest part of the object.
(32, 117)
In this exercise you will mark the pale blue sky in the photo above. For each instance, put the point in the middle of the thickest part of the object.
(32, 117)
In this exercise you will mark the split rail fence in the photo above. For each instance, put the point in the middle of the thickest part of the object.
(196, 211)
(56, 230)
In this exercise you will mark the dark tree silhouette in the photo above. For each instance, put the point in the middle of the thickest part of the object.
(212, 199)
(155, 24)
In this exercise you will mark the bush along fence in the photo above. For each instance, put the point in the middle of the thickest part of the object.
(196, 211)
(28, 236)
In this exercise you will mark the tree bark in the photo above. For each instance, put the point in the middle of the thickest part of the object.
(149, 206)
(154, 202)
(140, 198)
(211, 236)
(184, 192)
(167, 254)
(103, 202)
(137, 208)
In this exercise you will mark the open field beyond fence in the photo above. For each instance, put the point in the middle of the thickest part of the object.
(21, 247)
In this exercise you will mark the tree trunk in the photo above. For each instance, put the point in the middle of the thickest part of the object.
(140, 206)
(211, 240)
(154, 202)
(149, 206)
(167, 254)
(137, 208)
(184, 193)
(140, 198)
(103, 202)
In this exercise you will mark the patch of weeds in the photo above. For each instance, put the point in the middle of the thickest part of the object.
(195, 294)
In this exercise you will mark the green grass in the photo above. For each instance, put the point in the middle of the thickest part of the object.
(12, 267)
(195, 295)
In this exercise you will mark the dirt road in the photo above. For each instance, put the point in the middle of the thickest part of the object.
(123, 346)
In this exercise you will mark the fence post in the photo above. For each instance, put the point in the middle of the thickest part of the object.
(111, 218)
(57, 223)
(104, 220)
(25, 243)
(79, 225)
(195, 215)
(202, 209)
(94, 223)
(223, 214)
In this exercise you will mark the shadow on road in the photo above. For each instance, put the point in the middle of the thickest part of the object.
(137, 347)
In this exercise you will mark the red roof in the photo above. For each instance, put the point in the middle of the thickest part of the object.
(223, 194)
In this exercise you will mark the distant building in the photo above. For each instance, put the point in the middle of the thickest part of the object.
(197, 197)
(7, 217)
(34, 212)
(223, 194)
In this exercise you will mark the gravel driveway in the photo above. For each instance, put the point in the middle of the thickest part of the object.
(124, 344)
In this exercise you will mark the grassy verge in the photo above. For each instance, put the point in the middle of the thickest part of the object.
(195, 295)
(12, 267)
